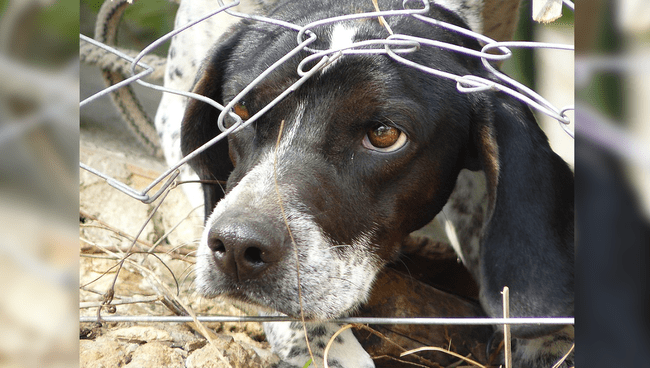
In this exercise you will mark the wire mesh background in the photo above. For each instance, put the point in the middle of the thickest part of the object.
(394, 46)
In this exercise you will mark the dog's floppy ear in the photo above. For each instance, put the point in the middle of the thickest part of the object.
(200, 124)
(528, 235)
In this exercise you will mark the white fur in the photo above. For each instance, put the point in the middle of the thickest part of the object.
(342, 37)
(285, 336)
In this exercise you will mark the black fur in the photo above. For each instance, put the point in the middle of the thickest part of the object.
(527, 242)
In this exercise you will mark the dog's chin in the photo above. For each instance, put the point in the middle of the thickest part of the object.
(270, 306)
(320, 298)
(314, 314)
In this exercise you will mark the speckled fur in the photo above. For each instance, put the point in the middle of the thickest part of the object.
(466, 209)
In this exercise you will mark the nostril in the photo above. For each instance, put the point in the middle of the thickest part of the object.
(216, 246)
(253, 255)
(242, 248)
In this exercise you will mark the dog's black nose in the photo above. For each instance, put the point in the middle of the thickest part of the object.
(243, 248)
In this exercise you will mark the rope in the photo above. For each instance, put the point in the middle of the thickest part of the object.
(115, 70)
(106, 60)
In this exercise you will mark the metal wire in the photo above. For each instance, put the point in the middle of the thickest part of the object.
(135, 77)
(393, 46)
(363, 320)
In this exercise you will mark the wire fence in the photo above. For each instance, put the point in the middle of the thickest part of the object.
(364, 320)
(395, 46)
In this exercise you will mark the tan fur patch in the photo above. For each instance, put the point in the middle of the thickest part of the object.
(490, 153)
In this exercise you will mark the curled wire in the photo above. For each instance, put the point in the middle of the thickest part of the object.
(394, 46)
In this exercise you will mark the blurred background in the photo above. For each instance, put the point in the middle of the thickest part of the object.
(39, 140)
(612, 183)
(39, 99)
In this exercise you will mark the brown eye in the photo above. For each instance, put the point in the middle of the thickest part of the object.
(242, 111)
(384, 138)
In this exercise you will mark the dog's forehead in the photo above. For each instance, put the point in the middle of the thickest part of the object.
(351, 82)
(260, 48)
(264, 46)
(352, 92)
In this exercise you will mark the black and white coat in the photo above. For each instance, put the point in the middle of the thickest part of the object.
(326, 185)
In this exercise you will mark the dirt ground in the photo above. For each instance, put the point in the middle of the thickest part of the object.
(154, 284)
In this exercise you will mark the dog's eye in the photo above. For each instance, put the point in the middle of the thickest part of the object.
(241, 110)
(384, 138)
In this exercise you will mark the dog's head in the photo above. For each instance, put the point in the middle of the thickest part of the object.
(323, 188)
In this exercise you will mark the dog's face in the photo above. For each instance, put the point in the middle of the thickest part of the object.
(324, 187)
(328, 182)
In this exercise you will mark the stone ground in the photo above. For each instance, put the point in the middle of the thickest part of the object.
(146, 284)
(159, 284)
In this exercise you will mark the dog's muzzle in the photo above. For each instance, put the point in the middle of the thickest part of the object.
(253, 251)
(245, 246)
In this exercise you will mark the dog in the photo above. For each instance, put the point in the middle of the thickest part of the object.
(324, 187)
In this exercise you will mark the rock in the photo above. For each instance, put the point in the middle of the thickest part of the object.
(206, 357)
(156, 355)
(104, 352)
(233, 352)
(196, 344)
(140, 334)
